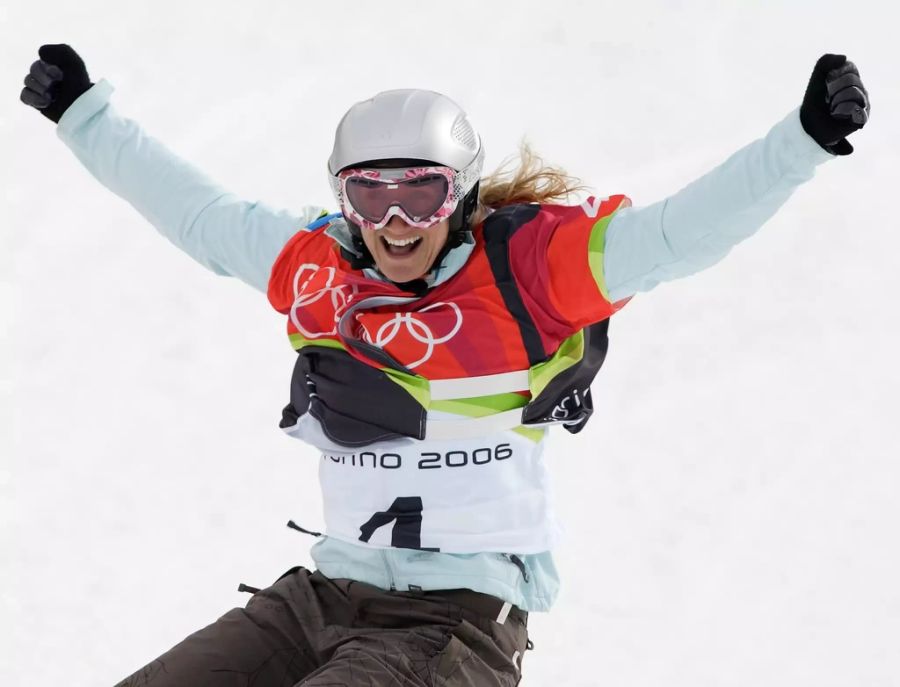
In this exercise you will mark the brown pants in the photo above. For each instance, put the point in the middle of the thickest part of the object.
(310, 630)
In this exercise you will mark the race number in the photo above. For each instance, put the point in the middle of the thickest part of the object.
(406, 514)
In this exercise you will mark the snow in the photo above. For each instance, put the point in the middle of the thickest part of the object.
(732, 512)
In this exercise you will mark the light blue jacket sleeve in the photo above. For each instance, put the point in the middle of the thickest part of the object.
(697, 226)
(223, 233)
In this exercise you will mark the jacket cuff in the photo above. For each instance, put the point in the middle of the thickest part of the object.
(801, 143)
(86, 106)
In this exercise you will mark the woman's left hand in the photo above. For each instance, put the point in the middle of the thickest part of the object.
(835, 105)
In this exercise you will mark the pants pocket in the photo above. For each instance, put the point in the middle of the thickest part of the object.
(473, 657)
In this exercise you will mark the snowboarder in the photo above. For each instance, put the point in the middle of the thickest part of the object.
(443, 321)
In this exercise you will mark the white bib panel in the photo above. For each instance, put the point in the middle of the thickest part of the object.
(455, 496)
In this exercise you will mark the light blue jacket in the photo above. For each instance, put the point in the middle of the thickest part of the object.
(685, 233)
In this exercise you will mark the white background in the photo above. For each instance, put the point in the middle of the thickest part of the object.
(732, 510)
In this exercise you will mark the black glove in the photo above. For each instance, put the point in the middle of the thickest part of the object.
(835, 105)
(55, 81)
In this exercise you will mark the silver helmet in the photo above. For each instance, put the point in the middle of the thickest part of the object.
(407, 124)
(410, 126)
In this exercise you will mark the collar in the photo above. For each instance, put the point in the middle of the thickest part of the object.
(451, 264)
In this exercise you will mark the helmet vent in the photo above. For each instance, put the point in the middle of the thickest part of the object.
(464, 133)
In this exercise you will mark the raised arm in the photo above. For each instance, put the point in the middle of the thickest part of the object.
(697, 226)
(225, 234)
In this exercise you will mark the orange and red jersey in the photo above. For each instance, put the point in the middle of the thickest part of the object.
(533, 280)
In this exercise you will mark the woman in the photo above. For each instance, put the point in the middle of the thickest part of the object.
(442, 322)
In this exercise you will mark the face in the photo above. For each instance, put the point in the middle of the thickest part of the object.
(402, 263)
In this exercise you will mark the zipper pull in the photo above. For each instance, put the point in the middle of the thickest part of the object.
(294, 526)
(388, 569)
(519, 563)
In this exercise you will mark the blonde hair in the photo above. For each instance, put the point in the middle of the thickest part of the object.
(529, 181)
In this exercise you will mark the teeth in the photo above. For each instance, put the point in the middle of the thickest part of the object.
(401, 242)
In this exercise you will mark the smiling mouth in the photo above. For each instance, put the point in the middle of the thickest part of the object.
(401, 247)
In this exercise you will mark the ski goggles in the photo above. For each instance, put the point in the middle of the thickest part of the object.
(421, 196)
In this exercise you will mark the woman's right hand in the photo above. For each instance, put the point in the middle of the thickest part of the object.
(55, 81)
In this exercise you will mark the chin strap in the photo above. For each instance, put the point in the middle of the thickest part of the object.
(417, 287)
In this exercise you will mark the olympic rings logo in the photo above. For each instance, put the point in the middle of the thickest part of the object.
(313, 283)
(417, 329)
(339, 295)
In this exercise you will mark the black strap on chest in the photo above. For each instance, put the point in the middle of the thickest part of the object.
(499, 228)
(355, 404)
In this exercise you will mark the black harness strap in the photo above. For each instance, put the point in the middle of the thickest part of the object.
(498, 229)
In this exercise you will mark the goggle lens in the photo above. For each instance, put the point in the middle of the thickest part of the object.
(419, 197)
